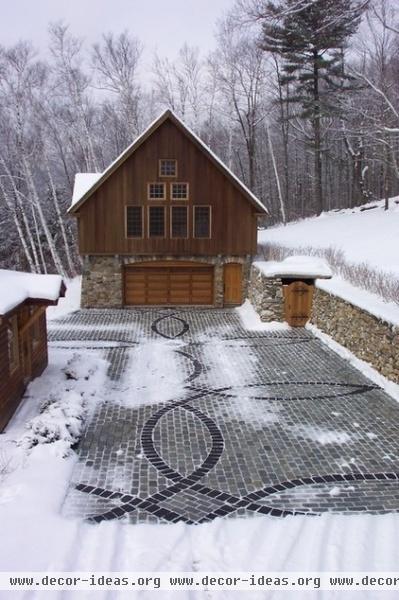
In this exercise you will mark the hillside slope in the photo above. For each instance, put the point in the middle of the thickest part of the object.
(365, 236)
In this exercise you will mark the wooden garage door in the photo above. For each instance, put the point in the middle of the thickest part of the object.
(161, 285)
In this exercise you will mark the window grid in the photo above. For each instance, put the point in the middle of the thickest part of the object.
(179, 219)
(179, 191)
(202, 222)
(156, 221)
(156, 191)
(168, 167)
(134, 221)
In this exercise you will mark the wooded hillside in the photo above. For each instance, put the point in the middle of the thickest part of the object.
(300, 99)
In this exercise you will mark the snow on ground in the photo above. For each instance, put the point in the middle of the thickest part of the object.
(252, 321)
(369, 236)
(321, 435)
(37, 538)
(70, 303)
(153, 374)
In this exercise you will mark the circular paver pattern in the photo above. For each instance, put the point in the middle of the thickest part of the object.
(262, 423)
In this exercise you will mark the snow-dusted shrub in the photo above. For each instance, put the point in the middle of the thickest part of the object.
(76, 368)
(64, 409)
(58, 420)
(360, 275)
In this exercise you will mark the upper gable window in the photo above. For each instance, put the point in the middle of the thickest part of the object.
(179, 191)
(156, 191)
(167, 167)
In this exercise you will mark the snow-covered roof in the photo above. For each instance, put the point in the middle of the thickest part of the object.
(83, 182)
(16, 287)
(94, 180)
(309, 267)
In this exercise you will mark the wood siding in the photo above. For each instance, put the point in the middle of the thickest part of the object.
(102, 220)
(12, 385)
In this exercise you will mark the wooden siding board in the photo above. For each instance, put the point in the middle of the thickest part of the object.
(102, 217)
(12, 385)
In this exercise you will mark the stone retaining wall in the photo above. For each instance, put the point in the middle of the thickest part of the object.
(266, 296)
(369, 338)
(102, 280)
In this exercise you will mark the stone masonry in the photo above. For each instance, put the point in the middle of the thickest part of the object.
(369, 338)
(102, 281)
(266, 295)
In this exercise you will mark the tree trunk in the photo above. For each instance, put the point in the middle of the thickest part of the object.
(318, 184)
(68, 255)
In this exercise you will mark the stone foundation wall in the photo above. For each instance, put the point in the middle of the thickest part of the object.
(266, 296)
(102, 280)
(369, 338)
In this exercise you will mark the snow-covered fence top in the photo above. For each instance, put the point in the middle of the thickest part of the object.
(16, 287)
(308, 267)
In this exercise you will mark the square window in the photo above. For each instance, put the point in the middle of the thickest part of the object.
(134, 221)
(156, 221)
(179, 227)
(156, 191)
(202, 221)
(167, 167)
(179, 191)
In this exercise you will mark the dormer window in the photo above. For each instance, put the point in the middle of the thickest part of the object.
(156, 191)
(167, 167)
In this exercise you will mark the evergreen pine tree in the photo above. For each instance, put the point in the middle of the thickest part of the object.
(310, 36)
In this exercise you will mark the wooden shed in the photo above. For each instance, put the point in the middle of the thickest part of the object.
(167, 223)
(23, 333)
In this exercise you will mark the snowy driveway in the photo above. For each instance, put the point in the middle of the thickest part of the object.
(201, 418)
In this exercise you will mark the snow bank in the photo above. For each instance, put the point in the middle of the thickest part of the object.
(17, 286)
(252, 321)
(365, 236)
(55, 414)
(69, 303)
(296, 266)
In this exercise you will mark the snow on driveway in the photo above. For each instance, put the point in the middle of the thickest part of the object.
(259, 408)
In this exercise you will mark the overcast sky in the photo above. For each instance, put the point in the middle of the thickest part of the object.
(161, 24)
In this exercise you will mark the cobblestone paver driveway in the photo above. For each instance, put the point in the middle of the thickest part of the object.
(201, 419)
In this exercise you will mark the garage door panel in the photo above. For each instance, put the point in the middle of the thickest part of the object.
(168, 285)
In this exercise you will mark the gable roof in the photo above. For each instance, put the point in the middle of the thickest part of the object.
(87, 183)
